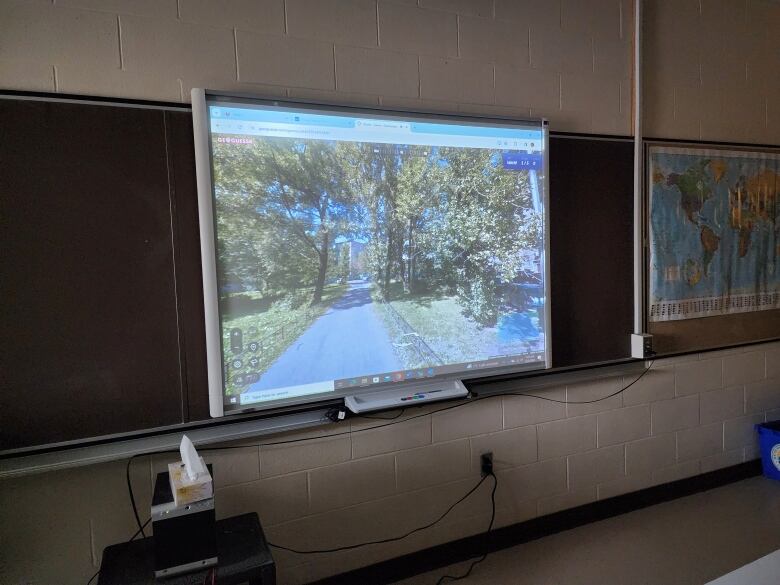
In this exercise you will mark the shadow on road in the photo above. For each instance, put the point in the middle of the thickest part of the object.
(357, 296)
(348, 340)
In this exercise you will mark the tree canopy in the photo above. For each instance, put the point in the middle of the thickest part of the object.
(434, 219)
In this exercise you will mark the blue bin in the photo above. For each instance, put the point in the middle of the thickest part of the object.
(769, 440)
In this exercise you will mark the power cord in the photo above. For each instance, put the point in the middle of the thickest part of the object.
(395, 416)
(132, 499)
(392, 421)
(132, 538)
(394, 538)
(485, 536)
(608, 396)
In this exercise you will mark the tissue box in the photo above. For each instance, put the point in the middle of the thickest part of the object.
(185, 537)
(186, 490)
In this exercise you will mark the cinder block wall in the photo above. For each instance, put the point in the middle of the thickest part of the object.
(711, 70)
(687, 416)
(568, 60)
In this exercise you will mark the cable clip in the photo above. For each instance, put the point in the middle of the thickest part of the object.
(336, 414)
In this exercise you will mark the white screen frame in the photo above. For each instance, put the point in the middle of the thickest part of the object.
(200, 99)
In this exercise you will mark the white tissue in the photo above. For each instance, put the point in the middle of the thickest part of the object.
(190, 478)
(193, 463)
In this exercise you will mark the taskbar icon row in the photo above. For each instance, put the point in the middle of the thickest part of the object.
(401, 376)
(384, 378)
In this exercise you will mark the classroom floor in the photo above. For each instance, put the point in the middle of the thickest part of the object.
(688, 541)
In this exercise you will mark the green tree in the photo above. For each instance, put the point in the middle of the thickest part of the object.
(344, 262)
(297, 194)
(417, 196)
(373, 173)
(486, 221)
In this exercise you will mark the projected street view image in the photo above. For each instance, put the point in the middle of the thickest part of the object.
(354, 263)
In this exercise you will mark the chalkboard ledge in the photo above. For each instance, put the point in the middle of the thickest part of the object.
(102, 450)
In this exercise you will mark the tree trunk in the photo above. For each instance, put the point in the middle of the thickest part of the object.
(401, 262)
(412, 254)
(323, 268)
(388, 262)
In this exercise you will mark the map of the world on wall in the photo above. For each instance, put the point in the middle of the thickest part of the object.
(714, 232)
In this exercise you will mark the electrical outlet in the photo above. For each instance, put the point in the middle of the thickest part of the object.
(486, 464)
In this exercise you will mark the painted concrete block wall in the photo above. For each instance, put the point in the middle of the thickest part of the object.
(712, 70)
(568, 60)
(688, 415)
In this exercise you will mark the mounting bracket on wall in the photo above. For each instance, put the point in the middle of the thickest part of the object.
(642, 346)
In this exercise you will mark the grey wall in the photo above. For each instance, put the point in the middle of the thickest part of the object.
(711, 72)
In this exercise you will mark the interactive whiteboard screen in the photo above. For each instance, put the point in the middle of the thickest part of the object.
(346, 250)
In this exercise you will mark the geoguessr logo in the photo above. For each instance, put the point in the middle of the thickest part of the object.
(235, 140)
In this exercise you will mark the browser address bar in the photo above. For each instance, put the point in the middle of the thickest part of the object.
(390, 125)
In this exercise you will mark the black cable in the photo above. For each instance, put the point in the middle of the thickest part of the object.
(137, 532)
(93, 577)
(392, 421)
(132, 538)
(132, 497)
(486, 537)
(130, 485)
(400, 412)
(392, 539)
(623, 389)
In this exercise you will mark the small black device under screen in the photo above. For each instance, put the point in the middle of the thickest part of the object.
(185, 537)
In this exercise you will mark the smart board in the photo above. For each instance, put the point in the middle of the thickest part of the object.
(348, 250)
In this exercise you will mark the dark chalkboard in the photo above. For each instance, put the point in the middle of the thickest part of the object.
(591, 255)
(102, 328)
(89, 336)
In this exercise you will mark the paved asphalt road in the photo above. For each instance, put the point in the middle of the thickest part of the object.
(349, 340)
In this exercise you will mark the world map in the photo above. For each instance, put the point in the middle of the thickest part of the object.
(714, 232)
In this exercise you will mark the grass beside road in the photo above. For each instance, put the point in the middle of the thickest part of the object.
(440, 322)
(442, 325)
(275, 328)
(405, 352)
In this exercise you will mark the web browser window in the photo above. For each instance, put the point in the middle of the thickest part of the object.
(356, 250)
